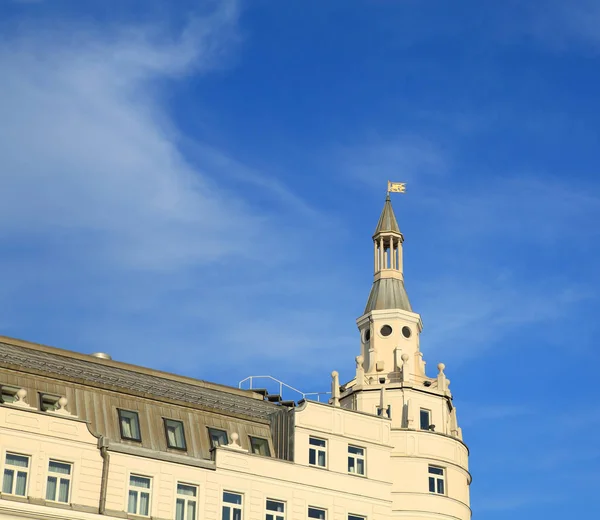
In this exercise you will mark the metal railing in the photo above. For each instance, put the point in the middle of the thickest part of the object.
(254, 382)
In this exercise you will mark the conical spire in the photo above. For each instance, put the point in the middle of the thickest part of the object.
(387, 221)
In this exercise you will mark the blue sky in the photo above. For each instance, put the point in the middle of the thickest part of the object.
(192, 186)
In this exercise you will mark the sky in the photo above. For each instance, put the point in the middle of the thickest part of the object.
(193, 186)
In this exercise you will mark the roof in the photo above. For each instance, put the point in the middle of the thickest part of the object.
(388, 293)
(128, 378)
(387, 220)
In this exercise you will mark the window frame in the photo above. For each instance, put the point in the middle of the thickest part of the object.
(139, 426)
(356, 458)
(59, 477)
(277, 515)
(317, 449)
(316, 508)
(8, 390)
(231, 505)
(46, 395)
(251, 438)
(139, 491)
(16, 470)
(437, 478)
(180, 448)
(210, 438)
(353, 516)
(186, 499)
(426, 410)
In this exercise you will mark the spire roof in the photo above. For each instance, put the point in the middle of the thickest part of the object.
(387, 220)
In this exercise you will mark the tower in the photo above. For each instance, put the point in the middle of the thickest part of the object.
(429, 463)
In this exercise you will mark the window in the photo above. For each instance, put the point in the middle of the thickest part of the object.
(129, 423)
(437, 480)
(48, 402)
(138, 502)
(425, 419)
(16, 471)
(356, 517)
(356, 460)
(9, 394)
(58, 486)
(187, 501)
(317, 453)
(275, 510)
(218, 437)
(260, 446)
(175, 434)
(318, 513)
(232, 506)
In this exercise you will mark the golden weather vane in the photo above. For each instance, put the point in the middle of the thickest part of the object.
(396, 187)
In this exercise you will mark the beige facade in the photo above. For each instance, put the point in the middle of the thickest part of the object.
(85, 437)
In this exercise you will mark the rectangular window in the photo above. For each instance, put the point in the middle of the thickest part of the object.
(356, 460)
(437, 480)
(232, 506)
(356, 517)
(260, 446)
(48, 402)
(16, 473)
(424, 419)
(384, 412)
(129, 422)
(275, 510)
(218, 437)
(138, 502)
(187, 502)
(58, 486)
(317, 452)
(317, 513)
(9, 394)
(175, 434)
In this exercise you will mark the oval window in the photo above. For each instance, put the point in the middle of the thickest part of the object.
(386, 330)
(406, 332)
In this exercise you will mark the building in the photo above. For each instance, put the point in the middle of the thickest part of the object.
(86, 437)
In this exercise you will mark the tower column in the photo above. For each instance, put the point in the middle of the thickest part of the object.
(381, 255)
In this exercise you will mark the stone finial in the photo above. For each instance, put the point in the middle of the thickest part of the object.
(234, 439)
(360, 370)
(234, 444)
(62, 406)
(442, 382)
(405, 371)
(335, 388)
(21, 397)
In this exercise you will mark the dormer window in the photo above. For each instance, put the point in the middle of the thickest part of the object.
(260, 446)
(129, 423)
(175, 434)
(48, 402)
(218, 437)
(9, 394)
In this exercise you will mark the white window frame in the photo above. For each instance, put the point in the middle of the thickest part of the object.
(356, 457)
(275, 515)
(232, 507)
(186, 499)
(317, 449)
(421, 410)
(436, 478)
(316, 509)
(59, 477)
(352, 516)
(139, 491)
(16, 470)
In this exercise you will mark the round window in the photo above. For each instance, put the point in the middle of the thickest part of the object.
(406, 332)
(367, 335)
(386, 330)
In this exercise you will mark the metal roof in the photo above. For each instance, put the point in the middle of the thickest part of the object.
(101, 374)
(388, 293)
(387, 220)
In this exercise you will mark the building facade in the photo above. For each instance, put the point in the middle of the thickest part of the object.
(86, 437)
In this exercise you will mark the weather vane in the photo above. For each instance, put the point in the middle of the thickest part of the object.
(396, 187)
